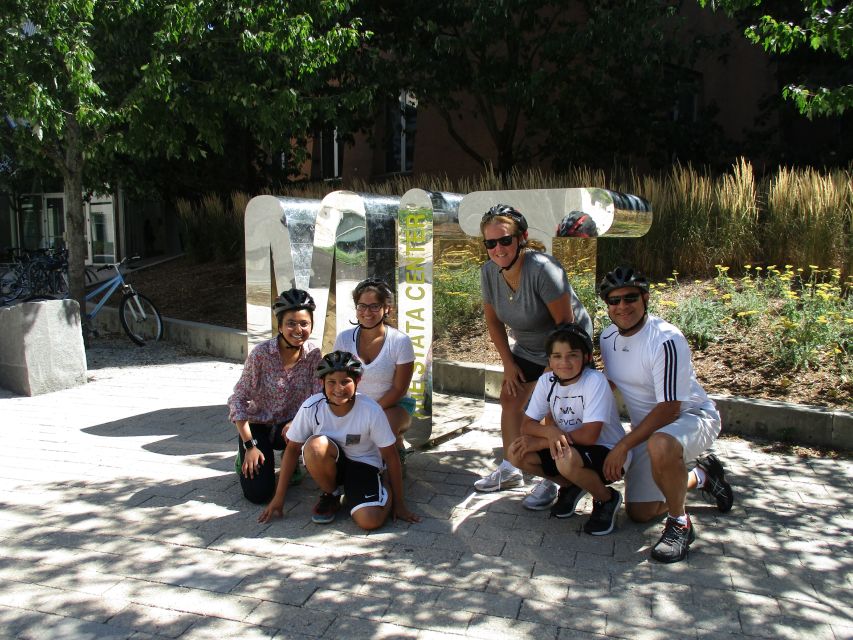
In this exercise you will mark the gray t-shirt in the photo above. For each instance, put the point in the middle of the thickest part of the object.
(525, 312)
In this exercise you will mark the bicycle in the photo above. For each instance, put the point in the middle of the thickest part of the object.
(139, 318)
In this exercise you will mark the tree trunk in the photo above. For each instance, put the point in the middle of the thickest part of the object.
(75, 231)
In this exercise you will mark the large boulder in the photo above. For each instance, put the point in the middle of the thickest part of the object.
(41, 347)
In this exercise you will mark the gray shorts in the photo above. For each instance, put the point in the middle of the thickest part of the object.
(695, 430)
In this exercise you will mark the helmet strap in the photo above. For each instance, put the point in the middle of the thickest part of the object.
(517, 255)
(623, 332)
(287, 345)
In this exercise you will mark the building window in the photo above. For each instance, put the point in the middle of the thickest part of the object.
(401, 125)
(331, 154)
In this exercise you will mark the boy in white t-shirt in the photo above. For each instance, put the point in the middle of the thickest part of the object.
(344, 438)
(582, 425)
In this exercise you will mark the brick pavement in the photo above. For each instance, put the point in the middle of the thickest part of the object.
(122, 518)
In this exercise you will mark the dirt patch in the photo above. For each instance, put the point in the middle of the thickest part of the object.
(216, 294)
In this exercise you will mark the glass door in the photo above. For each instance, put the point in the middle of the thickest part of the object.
(54, 221)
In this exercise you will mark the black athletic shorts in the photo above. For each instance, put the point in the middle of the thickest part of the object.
(531, 370)
(362, 483)
(593, 458)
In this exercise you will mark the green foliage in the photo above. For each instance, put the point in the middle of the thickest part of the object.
(808, 320)
(820, 25)
(212, 230)
(457, 298)
(546, 78)
(93, 82)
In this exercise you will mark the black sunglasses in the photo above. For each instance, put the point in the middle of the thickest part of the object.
(505, 241)
(629, 298)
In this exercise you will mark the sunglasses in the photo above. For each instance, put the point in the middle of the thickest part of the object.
(629, 298)
(504, 242)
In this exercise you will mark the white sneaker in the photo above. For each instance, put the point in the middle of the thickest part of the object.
(543, 496)
(499, 480)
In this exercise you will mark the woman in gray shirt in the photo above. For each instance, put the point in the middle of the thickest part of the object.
(529, 293)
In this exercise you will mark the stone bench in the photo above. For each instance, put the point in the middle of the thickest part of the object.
(41, 347)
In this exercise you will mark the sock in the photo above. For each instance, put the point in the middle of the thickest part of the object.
(506, 465)
(682, 519)
(700, 475)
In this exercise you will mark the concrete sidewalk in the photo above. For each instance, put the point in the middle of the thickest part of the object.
(122, 517)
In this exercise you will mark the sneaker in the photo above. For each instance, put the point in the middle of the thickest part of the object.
(675, 541)
(567, 501)
(603, 518)
(715, 489)
(543, 496)
(326, 508)
(500, 479)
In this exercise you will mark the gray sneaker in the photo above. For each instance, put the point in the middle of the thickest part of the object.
(500, 479)
(543, 496)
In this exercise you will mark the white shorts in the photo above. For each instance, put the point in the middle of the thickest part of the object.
(695, 430)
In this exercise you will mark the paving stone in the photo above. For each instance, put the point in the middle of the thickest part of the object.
(296, 620)
(371, 606)
(349, 627)
(490, 627)
(163, 622)
(563, 615)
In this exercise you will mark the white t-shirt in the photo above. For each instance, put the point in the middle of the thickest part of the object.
(589, 399)
(652, 366)
(359, 434)
(379, 374)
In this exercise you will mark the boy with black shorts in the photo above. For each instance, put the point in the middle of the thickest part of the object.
(582, 425)
(344, 438)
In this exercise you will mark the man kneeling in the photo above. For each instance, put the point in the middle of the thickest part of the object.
(344, 438)
(582, 425)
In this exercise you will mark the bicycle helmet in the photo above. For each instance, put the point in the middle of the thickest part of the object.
(505, 211)
(572, 333)
(293, 300)
(622, 277)
(340, 361)
(577, 224)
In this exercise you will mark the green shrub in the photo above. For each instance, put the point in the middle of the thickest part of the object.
(457, 299)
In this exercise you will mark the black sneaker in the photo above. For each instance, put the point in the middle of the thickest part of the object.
(326, 508)
(675, 541)
(567, 500)
(715, 489)
(603, 518)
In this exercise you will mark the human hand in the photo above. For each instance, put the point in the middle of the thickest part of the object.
(519, 447)
(559, 446)
(253, 460)
(513, 378)
(614, 463)
(402, 512)
(274, 510)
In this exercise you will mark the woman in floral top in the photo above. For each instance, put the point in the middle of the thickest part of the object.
(277, 378)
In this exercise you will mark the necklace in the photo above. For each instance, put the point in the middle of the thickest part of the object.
(513, 282)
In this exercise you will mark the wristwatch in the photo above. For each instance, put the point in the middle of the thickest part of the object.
(250, 444)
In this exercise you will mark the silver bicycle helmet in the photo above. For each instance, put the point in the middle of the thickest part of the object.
(622, 277)
(505, 211)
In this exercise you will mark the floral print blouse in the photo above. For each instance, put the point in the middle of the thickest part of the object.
(268, 393)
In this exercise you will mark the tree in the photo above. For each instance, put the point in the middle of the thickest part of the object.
(580, 80)
(90, 81)
(824, 26)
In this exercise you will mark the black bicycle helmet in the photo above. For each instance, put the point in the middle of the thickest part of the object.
(577, 224)
(293, 300)
(622, 277)
(340, 361)
(505, 211)
(566, 330)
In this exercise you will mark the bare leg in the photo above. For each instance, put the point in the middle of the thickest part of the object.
(512, 413)
(319, 454)
(571, 467)
(532, 464)
(400, 420)
(668, 471)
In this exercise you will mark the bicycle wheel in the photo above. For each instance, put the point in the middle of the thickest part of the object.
(140, 319)
(38, 278)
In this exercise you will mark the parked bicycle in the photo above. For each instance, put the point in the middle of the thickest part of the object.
(41, 273)
(139, 318)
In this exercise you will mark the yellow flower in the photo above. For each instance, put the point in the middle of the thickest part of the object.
(758, 269)
(669, 303)
(813, 267)
(747, 266)
(726, 296)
